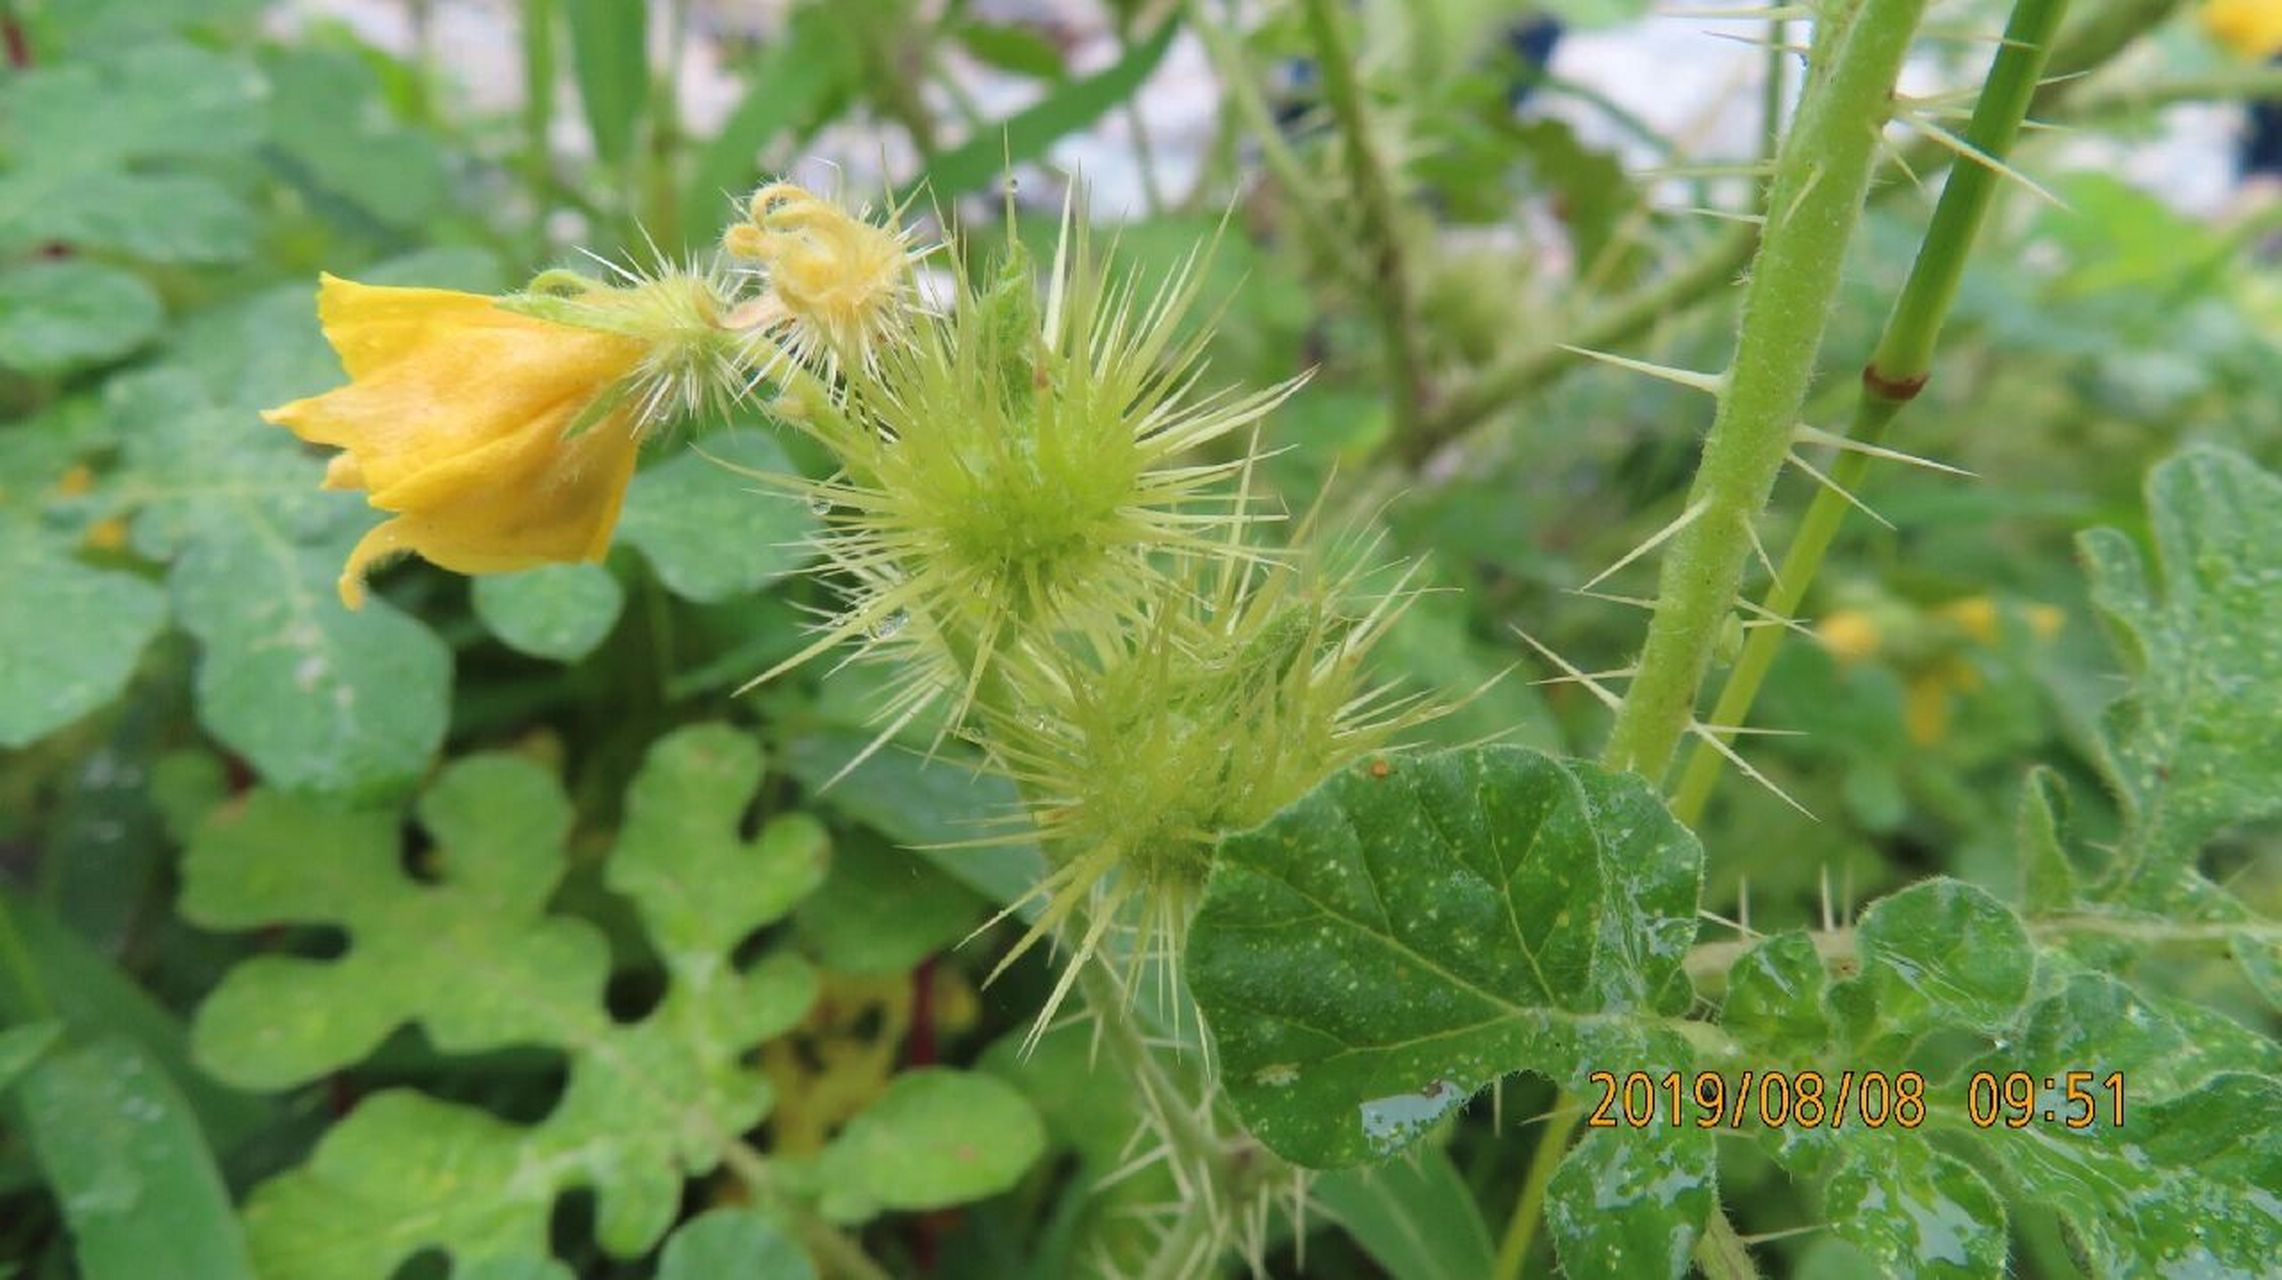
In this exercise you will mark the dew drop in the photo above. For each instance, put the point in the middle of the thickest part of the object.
(820, 505)
(887, 627)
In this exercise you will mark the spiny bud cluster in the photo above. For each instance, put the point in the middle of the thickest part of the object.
(1054, 539)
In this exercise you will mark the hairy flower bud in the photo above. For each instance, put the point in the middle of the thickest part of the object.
(841, 283)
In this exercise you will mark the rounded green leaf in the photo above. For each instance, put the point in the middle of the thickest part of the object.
(732, 1244)
(1419, 926)
(1627, 1203)
(1917, 1212)
(558, 611)
(1938, 954)
(56, 316)
(1774, 998)
(315, 696)
(937, 1137)
(883, 909)
(71, 633)
(711, 532)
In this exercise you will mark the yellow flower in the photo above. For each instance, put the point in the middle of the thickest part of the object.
(1976, 616)
(1850, 635)
(457, 418)
(2249, 27)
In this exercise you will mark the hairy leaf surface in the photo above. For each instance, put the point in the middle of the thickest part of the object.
(1417, 927)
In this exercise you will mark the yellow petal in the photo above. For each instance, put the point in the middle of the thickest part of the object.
(434, 374)
(456, 418)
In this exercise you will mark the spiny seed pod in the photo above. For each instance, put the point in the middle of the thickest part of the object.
(1012, 470)
(1242, 687)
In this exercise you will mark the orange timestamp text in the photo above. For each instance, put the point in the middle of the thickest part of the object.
(1869, 1099)
(1713, 1100)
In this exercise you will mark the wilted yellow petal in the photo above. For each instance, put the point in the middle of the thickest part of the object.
(457, 418)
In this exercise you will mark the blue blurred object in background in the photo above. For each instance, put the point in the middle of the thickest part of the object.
(1295, 88)
(2262, 150)
(1533, 40)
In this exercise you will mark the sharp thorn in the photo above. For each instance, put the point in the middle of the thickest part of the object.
(1816, 435)
(1759, 549)
(1967, 151)
(1654, 541)
(1712, 384)
(1733, 757)
(1837, 488)
(1609, 700)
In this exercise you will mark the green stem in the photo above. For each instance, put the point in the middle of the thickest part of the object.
(1529, 1209)
(539, 25)
(1391, 290)
(1186, 1250)
(1899, 368)
(1145, 159)
(1533, 367)
(663, 207)
(1193, 1144)
(1819, 189)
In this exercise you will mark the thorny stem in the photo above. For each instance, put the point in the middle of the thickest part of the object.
(1194, 1146)
(1818, 195)
(1521, 1228)
(1391, 293)
(1899, 368)
(1187, 1247)
(1469, 406)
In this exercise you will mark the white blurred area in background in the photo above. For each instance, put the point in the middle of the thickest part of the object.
(1690, 78)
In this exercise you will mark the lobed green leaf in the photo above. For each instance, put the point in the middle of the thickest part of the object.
(476, 962)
